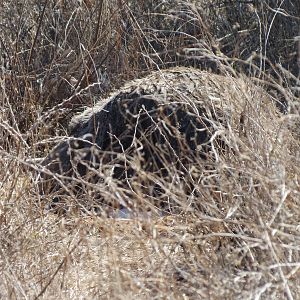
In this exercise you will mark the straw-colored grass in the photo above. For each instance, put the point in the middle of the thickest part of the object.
(236, 235)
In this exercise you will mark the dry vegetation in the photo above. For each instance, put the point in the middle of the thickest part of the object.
(237, 235)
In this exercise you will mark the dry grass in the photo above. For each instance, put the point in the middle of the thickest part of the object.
(241, 237)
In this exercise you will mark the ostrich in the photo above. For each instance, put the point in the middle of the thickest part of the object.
(147, 138)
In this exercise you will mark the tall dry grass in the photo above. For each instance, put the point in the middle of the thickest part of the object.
(239, 240)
